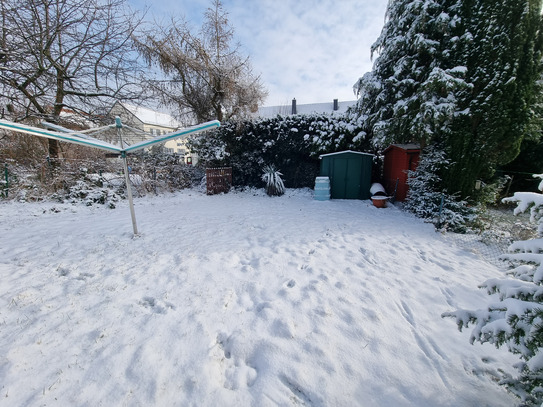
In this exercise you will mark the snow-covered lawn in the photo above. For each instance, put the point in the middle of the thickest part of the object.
(238, 300)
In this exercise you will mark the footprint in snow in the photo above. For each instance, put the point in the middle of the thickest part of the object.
(85, 276)
(237, 371)
(63, 272)
(156, 306)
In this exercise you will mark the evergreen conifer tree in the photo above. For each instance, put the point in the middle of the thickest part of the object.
(409, 95)
(461, 73)
(426, 197)
(501, 105)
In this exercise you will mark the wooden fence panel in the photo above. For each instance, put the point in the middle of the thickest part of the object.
(218, 180)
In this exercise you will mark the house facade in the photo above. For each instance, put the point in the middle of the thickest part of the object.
(152, 123)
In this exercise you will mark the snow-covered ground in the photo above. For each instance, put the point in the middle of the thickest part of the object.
(238, 300)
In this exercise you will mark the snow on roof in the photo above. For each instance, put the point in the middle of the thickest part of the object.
(343, 152)
(406, 147)
(284, 110)
(150, 116)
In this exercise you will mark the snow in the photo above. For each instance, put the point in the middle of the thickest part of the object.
(238, 299)
(536, 363)
(150, 116)
(526, 200)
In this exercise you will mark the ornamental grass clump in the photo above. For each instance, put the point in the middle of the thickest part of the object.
(274, 183)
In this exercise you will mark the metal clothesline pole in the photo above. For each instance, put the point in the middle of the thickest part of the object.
(119, 126)
(129, 192)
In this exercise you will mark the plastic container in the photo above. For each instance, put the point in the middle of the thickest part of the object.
(322, 189)
(379, 201)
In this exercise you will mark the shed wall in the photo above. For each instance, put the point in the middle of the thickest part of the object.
(396, 165)
(349, 173)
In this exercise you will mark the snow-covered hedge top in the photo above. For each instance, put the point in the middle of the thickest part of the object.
(291, 143)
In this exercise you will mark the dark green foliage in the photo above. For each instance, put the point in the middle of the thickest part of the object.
(528, 162)
(502, 108)
(292, 143)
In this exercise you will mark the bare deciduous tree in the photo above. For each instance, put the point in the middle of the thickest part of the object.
(66, 54)
(205, 73)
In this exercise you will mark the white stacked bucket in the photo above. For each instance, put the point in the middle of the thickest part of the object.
(322, 188)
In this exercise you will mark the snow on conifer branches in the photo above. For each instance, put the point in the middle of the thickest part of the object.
(514, 317)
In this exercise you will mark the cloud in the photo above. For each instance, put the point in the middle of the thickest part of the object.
(313, 50)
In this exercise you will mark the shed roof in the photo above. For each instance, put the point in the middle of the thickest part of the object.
(346, 151)
(406, 147)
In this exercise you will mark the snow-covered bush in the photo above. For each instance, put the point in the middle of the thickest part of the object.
(427, 199)
(489, 193)
(70, 180)
(168, 172)
(514, 317)
(273, 180)
(98, 180)
(91, 191)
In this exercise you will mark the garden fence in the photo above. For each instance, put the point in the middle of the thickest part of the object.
(501, 228)
(218, 180)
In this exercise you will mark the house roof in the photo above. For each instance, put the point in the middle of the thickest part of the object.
(285, 110)
(152, 117)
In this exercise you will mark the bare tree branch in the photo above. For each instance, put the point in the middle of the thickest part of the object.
(58, 53)
(205, 73)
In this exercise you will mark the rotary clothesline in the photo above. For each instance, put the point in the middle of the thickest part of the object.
(56, 132)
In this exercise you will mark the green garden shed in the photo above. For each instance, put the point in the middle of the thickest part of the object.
(349, 173)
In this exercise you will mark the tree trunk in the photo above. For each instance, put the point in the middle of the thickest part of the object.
(53, 149)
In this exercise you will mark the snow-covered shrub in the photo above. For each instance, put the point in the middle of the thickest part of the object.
(427, 199)
(91, 194)
(70, 180)
(94, 179)
(515, 317)
(489, 194)
(163, 171)
(273, 180)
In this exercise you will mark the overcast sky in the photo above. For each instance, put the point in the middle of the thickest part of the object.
(311, 50)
